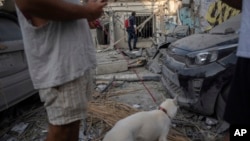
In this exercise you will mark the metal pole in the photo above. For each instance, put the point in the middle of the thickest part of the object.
(111, 29)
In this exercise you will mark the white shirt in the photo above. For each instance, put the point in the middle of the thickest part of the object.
(57, 52)
(244, 38)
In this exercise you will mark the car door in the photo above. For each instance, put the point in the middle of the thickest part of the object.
(15, 83)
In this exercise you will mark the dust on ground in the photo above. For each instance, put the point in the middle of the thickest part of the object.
(27, 121)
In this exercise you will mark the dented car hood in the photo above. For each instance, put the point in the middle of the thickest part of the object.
(223, 34)
(203, 41)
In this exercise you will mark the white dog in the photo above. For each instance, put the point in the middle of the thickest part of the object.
(145, 126)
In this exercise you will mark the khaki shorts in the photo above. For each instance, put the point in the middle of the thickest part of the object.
(68, 103)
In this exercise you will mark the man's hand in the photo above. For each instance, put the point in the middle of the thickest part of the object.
(60, 10)
(95, 8)
(94, 24)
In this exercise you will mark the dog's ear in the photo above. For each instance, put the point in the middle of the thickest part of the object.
(176, 100)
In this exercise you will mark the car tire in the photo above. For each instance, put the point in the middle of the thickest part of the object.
(221, 102)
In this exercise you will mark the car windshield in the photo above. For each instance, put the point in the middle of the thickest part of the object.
(230, 26)
(9, 30)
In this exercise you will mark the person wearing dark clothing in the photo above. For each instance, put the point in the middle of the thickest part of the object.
(237, 111)
(132, 31)
(238, 102)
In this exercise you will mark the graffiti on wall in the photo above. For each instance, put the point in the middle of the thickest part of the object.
(188, 18)
(219, 12)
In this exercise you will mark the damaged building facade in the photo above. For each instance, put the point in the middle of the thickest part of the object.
(157, 18)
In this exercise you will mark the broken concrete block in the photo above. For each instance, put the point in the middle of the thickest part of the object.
(110, 62)
(154, 66)
(111, 67)
(130, 77)
(101, 87)
(133, 54)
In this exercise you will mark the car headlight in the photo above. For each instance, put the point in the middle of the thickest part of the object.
(209, 55)
(201, 58)
(206, 57)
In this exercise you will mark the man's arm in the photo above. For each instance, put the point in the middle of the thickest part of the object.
(234, 3)
(61, 10)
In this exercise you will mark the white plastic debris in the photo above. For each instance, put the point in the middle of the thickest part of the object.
(20, 128)
(101, 87)
(44, 131)
(211, 121)
(137, 106)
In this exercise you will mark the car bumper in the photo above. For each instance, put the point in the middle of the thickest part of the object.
(197, 88)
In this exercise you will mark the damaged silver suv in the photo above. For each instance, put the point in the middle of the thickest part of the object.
(199, 68)
(15, 82)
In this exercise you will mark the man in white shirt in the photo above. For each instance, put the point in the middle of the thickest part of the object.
(60, 54)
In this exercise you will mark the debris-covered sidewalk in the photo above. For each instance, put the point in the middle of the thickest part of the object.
(116, 96)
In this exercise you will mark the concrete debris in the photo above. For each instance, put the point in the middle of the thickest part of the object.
(211, 121)
(130, 77)
(81, 135)
(196, 128)
(109, 84)
(223, 127)
(150, 52)
(201, 118)
(101, 87)
(125, 87)
(151, 107)
(138, 63)
(133, 54)
(110, 67)
(137, 106)
(106, 82)
(188, 115)
(154, 66)
(195, 135)
(110, 62)
(205, 126)
(44, 131)
(118, 83)
(7, 137)
(20, 128)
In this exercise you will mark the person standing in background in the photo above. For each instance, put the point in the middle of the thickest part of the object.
(132, 31)
(60, 54)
